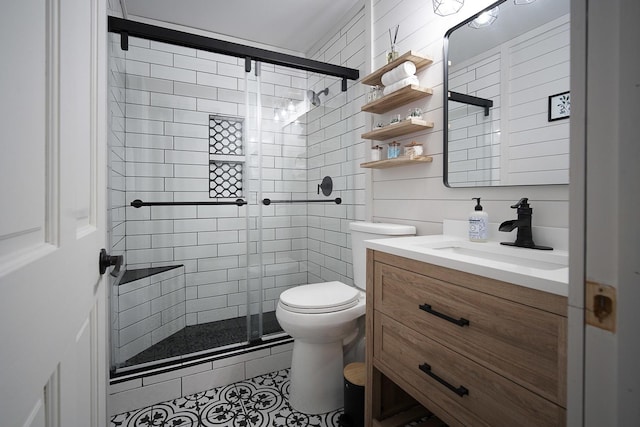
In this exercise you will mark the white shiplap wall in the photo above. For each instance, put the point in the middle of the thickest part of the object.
(538, 67)
(416, 194)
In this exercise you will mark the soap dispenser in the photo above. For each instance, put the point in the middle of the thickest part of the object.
(478, 223)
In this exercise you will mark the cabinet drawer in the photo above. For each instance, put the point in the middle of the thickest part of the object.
(525, 344)
(474, 395)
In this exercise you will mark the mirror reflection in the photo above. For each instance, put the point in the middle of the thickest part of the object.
(507, 100)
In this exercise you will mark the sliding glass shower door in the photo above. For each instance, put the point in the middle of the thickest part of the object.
(212, 160)
(184, 212)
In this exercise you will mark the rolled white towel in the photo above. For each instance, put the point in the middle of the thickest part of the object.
(411, 80)
(402, 71)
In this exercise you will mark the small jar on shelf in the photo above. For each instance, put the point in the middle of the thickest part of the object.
(415, 113)
(393, 151)
(375, 92)
(376, 153)
(413, 150)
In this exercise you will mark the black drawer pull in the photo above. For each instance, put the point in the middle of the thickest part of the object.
(460, 322)
(460, 391)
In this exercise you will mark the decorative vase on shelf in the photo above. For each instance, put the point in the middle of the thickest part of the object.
(392, 55)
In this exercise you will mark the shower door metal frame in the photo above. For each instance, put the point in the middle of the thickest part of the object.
(128, 28)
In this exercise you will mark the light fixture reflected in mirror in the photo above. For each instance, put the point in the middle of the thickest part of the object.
(287, 111)
(523, 1)
(485, 18)
(447, 7)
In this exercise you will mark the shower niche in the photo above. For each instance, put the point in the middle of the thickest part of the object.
(226, 157)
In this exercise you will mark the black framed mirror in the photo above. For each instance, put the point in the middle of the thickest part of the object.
(506, 96)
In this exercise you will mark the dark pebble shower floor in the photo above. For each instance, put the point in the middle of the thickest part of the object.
(205, 336)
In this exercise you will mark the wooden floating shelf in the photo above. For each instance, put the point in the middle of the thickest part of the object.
(375, 78)
(399, 161)
(397, 99)
(397, 129)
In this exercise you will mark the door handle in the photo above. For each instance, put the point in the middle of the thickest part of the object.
(105, 261)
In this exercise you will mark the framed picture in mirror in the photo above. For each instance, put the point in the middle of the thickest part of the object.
(559, 106)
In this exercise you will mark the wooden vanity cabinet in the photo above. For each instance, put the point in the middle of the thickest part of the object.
(472, 350)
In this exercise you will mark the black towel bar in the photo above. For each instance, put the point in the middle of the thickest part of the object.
(139, 203)
(337, 201)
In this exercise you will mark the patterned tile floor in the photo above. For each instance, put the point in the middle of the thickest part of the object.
(257, 402)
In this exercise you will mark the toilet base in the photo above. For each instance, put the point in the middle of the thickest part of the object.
(316, 377)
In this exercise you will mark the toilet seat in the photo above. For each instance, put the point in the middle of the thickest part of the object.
(319, 298)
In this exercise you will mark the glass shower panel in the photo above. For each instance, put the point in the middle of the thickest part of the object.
(115, 176)
(284, 164)
(254, 255)
(183, 160)
(277, 163)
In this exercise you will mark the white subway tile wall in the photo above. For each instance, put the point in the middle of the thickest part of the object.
(335, 149)
(169, 95)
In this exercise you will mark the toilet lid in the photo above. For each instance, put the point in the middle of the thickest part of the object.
(320, 297)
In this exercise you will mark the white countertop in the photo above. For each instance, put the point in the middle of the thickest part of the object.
(546, 271)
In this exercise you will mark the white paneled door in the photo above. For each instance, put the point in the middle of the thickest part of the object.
(52, 217)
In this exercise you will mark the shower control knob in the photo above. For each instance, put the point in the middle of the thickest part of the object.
(105, 261)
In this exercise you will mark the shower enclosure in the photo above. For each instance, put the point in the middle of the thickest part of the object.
(214, 202)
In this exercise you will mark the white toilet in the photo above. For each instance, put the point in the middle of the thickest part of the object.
(323, 317)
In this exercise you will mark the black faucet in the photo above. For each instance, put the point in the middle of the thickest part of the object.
(524, 238)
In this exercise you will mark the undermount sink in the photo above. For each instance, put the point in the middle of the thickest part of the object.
(517, 256)
(547, 271)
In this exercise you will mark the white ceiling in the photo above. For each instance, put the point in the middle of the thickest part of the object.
(295, 25)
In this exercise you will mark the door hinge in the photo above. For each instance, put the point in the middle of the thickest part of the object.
(600, 310)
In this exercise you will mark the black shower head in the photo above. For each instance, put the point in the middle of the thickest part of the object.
(315, 97)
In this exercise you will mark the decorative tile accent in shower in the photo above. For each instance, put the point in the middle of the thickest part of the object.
(226, 140)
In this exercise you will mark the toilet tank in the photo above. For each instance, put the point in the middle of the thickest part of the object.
(361, 231)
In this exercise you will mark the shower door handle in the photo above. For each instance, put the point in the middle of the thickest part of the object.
(105, 261)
